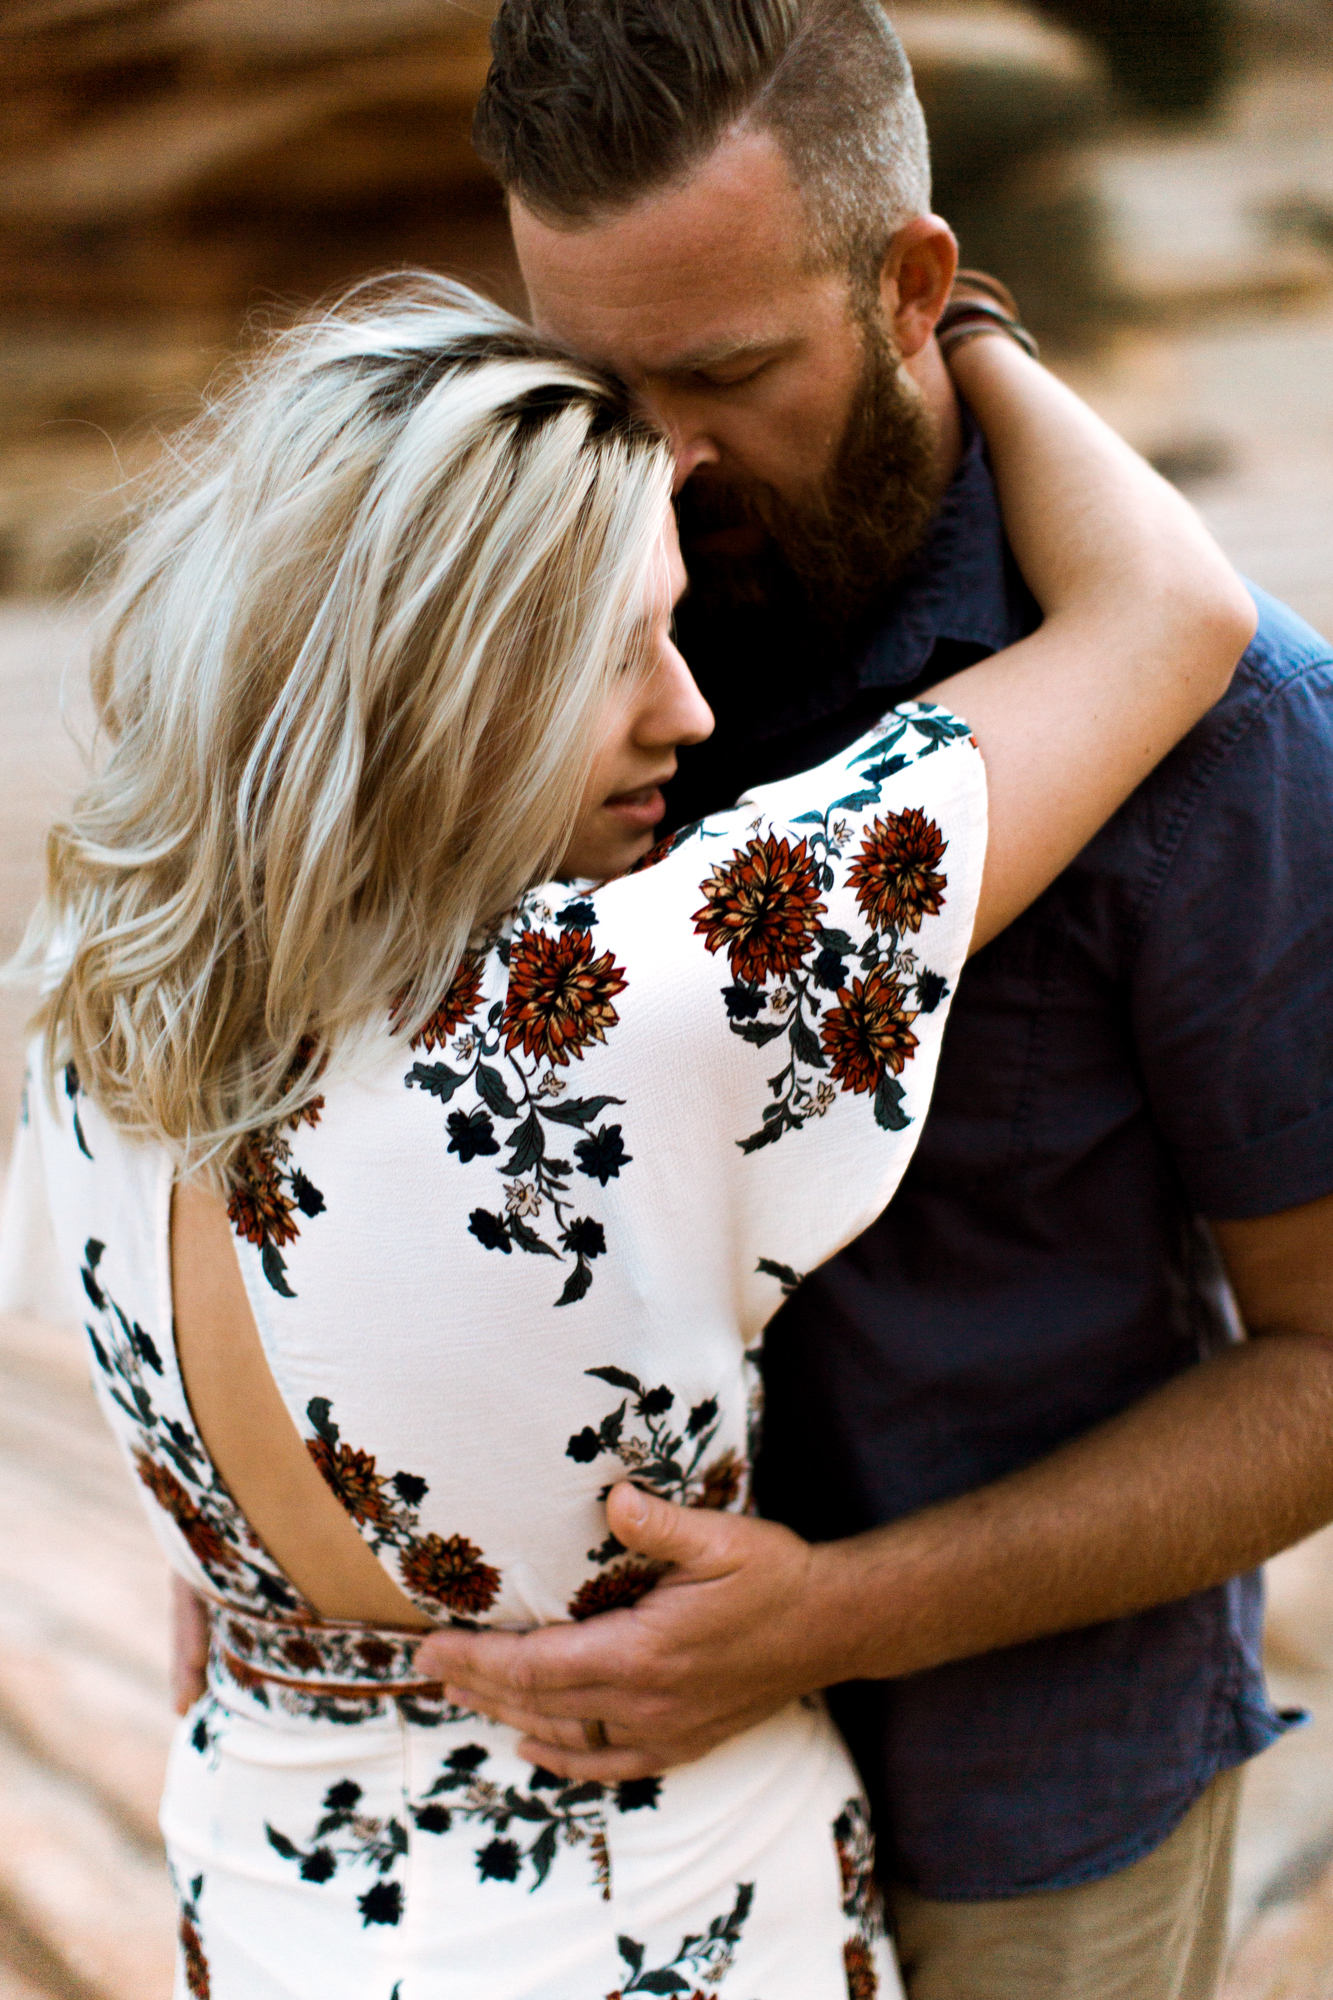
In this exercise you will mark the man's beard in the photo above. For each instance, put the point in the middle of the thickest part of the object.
(827, 558)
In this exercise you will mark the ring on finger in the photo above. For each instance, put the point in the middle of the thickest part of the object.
(595, 1736)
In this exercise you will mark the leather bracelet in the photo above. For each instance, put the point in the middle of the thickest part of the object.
(967, 319)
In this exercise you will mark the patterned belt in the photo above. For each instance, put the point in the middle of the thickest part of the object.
(325, 1658)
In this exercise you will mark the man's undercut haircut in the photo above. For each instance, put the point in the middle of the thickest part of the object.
(591, 104)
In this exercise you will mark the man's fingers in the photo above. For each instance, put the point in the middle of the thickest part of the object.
(549, 1660)
(607, 1767)
(560, 1734)
(695, 1539)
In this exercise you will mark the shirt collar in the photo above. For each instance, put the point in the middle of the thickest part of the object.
(960, 586)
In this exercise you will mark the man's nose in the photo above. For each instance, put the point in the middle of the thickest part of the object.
(690, 455)
(690, 441)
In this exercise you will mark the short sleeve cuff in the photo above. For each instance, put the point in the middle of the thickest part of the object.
(1263, 1176)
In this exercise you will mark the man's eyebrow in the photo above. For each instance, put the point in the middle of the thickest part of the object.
(714, 354)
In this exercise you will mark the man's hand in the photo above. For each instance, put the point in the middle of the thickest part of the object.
(1208, 1476)
(189, 1644)
(727, 1637)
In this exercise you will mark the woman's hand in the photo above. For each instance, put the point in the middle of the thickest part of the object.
(1145, 621)
(189, 1644)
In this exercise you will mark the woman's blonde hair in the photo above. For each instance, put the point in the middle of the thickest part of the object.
(349, 685)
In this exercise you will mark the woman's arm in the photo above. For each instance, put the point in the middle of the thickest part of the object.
(1145, 621)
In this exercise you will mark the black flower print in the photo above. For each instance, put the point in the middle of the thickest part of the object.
(518, 1104)
(268, 1192)
(436, 1570)
(348, 1837)
(700, 1959)
(764, 909)
(527, 1828)
(170, 1461)
(666, 1446)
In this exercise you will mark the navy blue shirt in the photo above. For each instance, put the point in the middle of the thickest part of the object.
(1150, 1044)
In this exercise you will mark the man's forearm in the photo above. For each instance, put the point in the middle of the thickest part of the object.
(1207, 1477)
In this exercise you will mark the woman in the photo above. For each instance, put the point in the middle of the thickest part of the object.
(426, 1172)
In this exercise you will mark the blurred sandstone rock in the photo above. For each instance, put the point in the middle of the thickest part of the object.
(1012, 101)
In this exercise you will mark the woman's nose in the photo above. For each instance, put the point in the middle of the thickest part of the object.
(675, 712)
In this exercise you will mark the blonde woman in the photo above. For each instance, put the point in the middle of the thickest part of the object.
(424, 1172)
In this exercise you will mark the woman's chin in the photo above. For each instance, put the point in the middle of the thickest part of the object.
(611, 853)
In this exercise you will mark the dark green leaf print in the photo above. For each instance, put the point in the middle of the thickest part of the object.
(786, 1277)
(437, 1079)
(709, 1957)
(491, 1085)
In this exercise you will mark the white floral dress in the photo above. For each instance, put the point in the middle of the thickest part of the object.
(494, 1272)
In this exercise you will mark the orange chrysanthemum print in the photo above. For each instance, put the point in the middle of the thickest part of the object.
(763, 909)
(894, 874)
(450, 1572)
(260, 1207)
(206, 1544)
(868, 1034)
(614, 1589)
(353, 1477)
(460, 1001)
(859, 1963)
(196, 1965)
(559, 995)
(722, 1481)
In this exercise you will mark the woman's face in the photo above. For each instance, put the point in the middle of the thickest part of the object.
(642, 726)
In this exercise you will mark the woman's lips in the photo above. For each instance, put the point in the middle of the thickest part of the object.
(638, 810)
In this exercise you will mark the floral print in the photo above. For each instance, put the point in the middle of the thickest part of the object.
(709, 1957)
(867, 1036)
(169, 1458)
(268, 1191)
(524, 1830)
(194, 1963)
(558, 1004)
(458, 1003)
(666, 1457)
(559, 995)
(893, 872)
(582, 1105)
(861, 1905)
(763, 908)
(436, 1570)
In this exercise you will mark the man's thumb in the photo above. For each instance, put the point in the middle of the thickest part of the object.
(693, 1538)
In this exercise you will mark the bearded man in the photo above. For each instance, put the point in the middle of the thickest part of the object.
(1025, 1458)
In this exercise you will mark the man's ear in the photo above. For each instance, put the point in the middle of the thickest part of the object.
(916, 280)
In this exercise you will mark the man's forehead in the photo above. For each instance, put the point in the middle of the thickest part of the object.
(681, 279)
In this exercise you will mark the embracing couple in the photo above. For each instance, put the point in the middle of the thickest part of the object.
(465, 1120)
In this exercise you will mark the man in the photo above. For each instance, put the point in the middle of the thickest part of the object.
(1014, 1419)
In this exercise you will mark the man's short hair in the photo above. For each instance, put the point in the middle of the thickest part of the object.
(591, 104)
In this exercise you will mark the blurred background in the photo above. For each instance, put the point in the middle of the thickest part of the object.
(1154, 178)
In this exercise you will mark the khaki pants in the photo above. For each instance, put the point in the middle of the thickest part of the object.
(1154, 1931)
